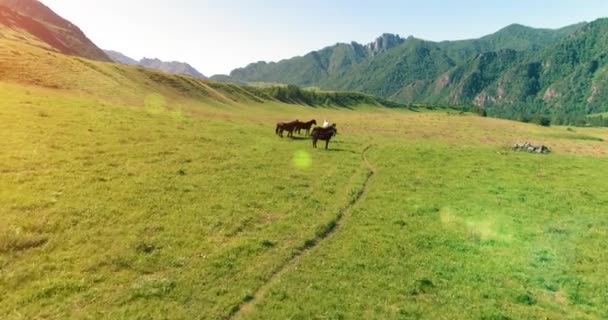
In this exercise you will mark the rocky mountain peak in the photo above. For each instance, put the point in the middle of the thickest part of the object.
(385, 42)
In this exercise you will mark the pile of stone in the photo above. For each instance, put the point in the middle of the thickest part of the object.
(532, 148)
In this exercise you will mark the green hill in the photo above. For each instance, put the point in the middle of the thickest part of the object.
(567, 78)
(515, 73)
(30, 54)
(26, 63)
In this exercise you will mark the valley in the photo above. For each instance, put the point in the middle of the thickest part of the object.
(131, 193)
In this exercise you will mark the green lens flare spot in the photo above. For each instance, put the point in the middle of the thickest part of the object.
(302, 159)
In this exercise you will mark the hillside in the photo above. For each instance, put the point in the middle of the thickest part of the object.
(515, 73)
(352, 59)
(316, 66)
(24, 63)
(29, 56)
(566, 79)
(40, 21)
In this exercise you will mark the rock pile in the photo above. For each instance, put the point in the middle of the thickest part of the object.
(532, 148)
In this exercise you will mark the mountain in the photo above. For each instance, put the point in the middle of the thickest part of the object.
(346, 63)
(49, 28)
(32, 55)
(564, 79)
(463, 82)
(121, 58)
(515, 73)
(569, 77)
(317, 66)
(156, 64)
(171, 67)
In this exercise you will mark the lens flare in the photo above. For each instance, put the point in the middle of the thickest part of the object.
(302, 159)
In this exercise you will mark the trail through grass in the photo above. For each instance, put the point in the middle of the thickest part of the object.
(244, 309)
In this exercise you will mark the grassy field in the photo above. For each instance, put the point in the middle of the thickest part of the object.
(123, 198)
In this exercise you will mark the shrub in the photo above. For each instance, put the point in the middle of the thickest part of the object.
(480, 111)
(541, 121)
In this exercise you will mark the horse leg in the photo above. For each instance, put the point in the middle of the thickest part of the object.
(326, 144)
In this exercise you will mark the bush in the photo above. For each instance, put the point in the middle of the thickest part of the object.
(480, 111)
(541, 121)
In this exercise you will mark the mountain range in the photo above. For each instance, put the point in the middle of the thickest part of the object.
(515, 73)
(43, 51)
(174, 67)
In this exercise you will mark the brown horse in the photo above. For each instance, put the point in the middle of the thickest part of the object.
(306, 126)
(290, 127)
(324, 134)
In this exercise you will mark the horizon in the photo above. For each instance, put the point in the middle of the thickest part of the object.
(287, 35)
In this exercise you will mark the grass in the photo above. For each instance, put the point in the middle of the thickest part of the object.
(578, 137)
(110, 195)
(126, 195)
(459, 233)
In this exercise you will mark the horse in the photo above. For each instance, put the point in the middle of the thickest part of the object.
(324, 134)
(306, 126)
(290, 127)
(326, 129)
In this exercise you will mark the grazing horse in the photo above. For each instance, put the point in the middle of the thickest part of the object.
(290, 127)
(306, 126)
(324, 134)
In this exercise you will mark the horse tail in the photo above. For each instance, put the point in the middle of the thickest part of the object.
(277, 129)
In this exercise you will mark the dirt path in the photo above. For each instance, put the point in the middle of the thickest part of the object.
(247, 306)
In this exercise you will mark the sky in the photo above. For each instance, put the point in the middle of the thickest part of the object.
(217, 36)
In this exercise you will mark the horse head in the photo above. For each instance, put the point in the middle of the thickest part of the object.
(314, 122)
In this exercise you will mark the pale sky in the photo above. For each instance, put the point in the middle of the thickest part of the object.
(221, 35)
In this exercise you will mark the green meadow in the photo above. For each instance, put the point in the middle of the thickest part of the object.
(139, 195)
